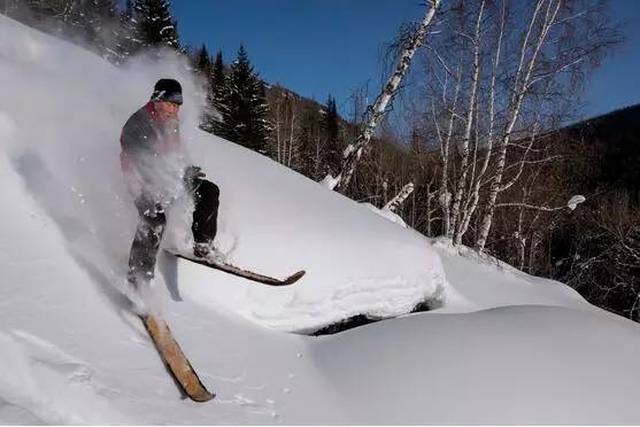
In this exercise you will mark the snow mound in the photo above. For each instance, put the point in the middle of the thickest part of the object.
(484, 282)
(510, 365)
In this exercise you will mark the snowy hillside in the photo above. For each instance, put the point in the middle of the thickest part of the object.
(70, 352)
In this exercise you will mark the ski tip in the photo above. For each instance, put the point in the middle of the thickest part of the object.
(203, 397)
(294, 278)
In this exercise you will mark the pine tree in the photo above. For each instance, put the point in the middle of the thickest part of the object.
(332, 147)
(156, 27)
(128, 8)
(203, 62)
(310, 143)
(99, 23)
(128, 41)
(88, 18)
(218, 98)
(218, 77)
(245, 110)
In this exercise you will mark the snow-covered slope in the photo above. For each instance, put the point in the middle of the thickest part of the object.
(70, 352)
(67, 109)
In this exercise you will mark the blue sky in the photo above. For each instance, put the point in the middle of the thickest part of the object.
(322, 47)
(617, 83)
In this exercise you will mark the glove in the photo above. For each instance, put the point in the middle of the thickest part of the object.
(193, 176)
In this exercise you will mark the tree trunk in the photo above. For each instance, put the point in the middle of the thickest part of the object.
(395, 203)
(354, 152)
(521, 86)
(462, 180)
(475, 192)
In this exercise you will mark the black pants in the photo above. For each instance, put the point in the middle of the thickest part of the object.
(206, 198)
(152, 222)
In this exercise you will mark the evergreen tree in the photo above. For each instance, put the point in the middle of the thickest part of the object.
(203, 62)
(89, 19)
(99, 22)
(128, 8)
(156, 27)
(218, 77)
(310, 159)
(332, 147)
(128, 41)
(245, 110)
(202, 65)
(218, 98)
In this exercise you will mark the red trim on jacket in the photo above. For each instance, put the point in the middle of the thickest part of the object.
(151, 109)
(125, 163)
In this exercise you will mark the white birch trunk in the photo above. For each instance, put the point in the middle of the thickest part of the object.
(278, 138)
(520, 90)
(291, 138)
(464, 168)
(475, 192)
(430, 196)
(399, 199)
(377, 111)
(444, 195)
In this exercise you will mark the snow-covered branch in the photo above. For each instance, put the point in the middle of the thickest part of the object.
(571, 205)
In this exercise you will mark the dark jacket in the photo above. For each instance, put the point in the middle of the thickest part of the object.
(152, 158)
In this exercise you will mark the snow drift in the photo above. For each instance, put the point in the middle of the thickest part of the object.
(70, 352)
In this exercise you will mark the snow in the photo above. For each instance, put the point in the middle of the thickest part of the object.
(499, 346)
(330, 182)
(387, 214)
(575, 201)
(166, 28)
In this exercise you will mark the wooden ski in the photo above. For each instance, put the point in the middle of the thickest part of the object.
(175, 360)
(240, 272)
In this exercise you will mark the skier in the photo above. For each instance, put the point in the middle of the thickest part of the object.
(156, 171)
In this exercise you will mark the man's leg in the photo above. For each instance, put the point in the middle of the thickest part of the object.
(205, 215)
(144, 250)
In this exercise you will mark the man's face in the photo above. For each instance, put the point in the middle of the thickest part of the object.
(167, 110)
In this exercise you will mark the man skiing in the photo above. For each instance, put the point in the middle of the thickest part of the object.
(156, 170)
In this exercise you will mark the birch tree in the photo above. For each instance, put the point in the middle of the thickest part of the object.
(499, 75)
(286, 113)
(562, 39)
(455, 70)
(353, 152)
(475, 41)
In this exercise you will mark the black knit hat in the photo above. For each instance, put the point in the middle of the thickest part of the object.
(167, 90)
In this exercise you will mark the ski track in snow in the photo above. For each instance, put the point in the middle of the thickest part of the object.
(54, 386)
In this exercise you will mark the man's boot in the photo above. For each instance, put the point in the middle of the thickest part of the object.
(208, 252)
